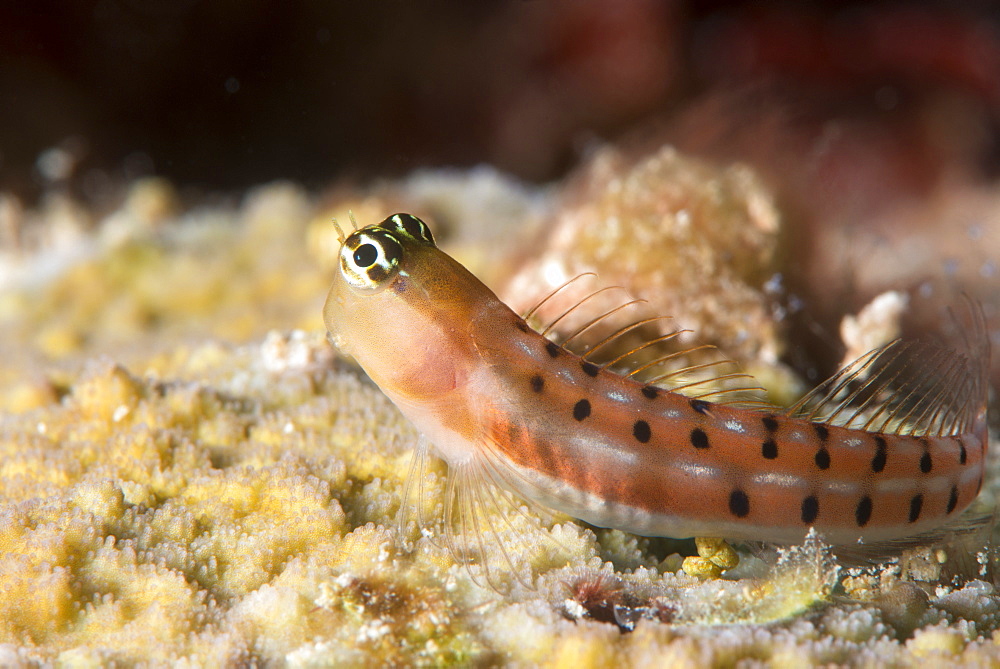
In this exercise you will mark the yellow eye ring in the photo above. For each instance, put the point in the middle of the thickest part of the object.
(369, 258)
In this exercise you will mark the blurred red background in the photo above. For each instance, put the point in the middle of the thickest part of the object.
(225, 94)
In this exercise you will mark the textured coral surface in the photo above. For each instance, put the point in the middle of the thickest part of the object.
(190, 474)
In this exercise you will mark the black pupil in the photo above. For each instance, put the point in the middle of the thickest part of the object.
(365, 255)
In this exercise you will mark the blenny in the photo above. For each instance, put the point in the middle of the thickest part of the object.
(892, 446)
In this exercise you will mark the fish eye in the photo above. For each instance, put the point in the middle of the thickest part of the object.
(408, 225)
(370, 258)
(365, 255)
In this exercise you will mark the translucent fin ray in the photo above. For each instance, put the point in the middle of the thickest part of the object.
(476, 493)
(624, 330)
(629, 328)
(684, 371)
(919, 388)
(594, 321)
(566, 284)
(600, 291)
(665, 358)
(417, 475)
(967, 533)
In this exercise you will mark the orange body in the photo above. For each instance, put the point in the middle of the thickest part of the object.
(561, 431)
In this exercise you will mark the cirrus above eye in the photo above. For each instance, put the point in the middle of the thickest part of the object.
(365, 255)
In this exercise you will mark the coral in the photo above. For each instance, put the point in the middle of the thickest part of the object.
(182, 484)
(714, 557)
(697, 242)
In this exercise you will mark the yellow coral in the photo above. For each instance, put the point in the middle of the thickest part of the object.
(714, 557)
(191, 501)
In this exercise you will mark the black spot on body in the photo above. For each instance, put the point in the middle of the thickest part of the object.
(700, 406)
(698, 438)
(953, 500)
(769, 449)
(823, 458)
(770, 423)
(739, 503)
(810, 510)
(522, 326)
(821, 431)
(641, 431)
(590, 368)
(553, 349)
(962, 454)
(581, 409)
(916, 504)
(863, 513)
(652, 392)
(925, 463)
(537, 383)
(881, 455)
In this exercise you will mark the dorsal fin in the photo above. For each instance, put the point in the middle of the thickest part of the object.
(919, 388)
(635, 344)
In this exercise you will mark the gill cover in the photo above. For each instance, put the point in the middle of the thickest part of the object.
(407, 313)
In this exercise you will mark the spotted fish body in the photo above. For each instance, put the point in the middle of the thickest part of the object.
(557, 429)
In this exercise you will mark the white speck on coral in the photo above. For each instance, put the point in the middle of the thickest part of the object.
(295, 351)
(683, 218)
(372, 631)
(119, 413)
(775, 284)
(42, 428)
(574, 608)
(875, 325)
(289, 427)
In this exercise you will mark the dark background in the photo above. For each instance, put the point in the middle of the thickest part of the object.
(221, 95)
